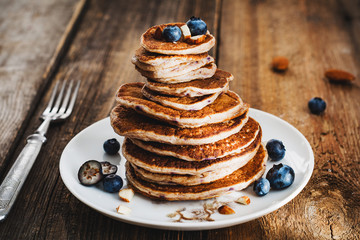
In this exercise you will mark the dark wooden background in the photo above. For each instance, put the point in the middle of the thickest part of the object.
(45, 41)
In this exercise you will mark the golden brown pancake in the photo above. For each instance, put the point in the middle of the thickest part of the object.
(169, 165)
(126, 122)
(206, 71)
(170, 68)
(236, 181)
(199, 87)
(230, 145)
(181, 103)
(224, 108)
(160, 60)
(174, 71)
(152, 44)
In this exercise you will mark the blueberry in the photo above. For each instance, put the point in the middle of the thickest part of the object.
(111, 146)
(112, 183)
(280, 176)
(172, 33)
(275, 149)
(316, 105)
(108, 168)
(262, 187)
(90, 173)
(196, 26)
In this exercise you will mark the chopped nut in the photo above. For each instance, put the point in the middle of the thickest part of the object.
(226, 210)
(196, 39)
(280, 63)
(339, 76)
(243, 200)
(126, 194)
(123, 210)
(185, 32)
(172, 215)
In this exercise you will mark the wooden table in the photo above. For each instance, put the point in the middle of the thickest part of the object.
(43, 42)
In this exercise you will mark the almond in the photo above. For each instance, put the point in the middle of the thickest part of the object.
(126, 194)
(185, 32)
(280, 63)
(158, 33)
(243, 200)
(226, 210)
(123, 210)
(339, 76)
(196, 39)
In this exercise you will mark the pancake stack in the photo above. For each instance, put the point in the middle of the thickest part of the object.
(187, 136)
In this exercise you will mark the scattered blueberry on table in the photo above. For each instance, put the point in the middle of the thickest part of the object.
(196, 26)
(111, 146)
(90, 173)
(261, 187)
(172, 33)
(280, 176)
(112, 183)
(317, 105)
(275, 149)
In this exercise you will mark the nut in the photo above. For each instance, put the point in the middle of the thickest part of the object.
(243, 200)
(280, 63)
(158, 32)
(226, 210)
(126, 194)
(123, 210)
(185, 32)
(339, 76)
(196, 39)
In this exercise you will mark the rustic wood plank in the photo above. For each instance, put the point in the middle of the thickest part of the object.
(30, 33)
(34, 37)
(99, 55)
(314, 36)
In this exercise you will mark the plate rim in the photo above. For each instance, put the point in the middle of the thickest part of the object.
(193, 226)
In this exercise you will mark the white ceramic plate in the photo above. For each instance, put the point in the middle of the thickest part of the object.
(145, 212)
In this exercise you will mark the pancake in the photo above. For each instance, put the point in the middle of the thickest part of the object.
(181, 103)
(236, 181)
(174, 71)
(230, 145)
(206, 71)
(199, 87)
(225, 107)
(126, 122)
(152, 44)
(169, 165)
(170, 68)
(164, 61)
(215, 172)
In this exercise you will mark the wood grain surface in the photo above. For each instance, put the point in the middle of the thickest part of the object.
(33, 37)
(313, 35)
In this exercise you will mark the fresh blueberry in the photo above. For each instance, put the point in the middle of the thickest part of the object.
(111, 146)
(112, 183)
(172, 33)
(90, 173)
(196, 26)
(108, 168)
(275, 149)
(316, 105)
(280, 176)
(262, 187)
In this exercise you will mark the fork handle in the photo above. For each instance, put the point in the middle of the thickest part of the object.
(15, 178)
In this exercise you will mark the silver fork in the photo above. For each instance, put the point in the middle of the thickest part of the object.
(57, 109)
